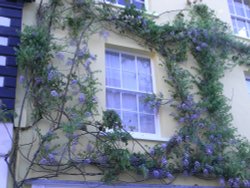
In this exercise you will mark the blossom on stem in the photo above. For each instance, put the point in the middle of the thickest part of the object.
(82, 97)
(54, 93)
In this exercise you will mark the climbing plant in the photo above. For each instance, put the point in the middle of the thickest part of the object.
(60, 90)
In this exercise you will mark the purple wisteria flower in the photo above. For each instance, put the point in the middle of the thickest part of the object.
(163, 146)
(82, 98)
(156, 173)
(51, 158)
(209, 150)
(205, 171)
(73, 82)
(104, 34)
(185, 162)
(181, 120)
(152, 151)
(81, 53)
(102, 159)
(94, 99)
(21, 79)
(164, 161)
(198, 48)
(87, 161)
(54, 93)
(60, 56)
(246, 183)
(38, 80)
(203, 45)
(197, 164)
(43, 161)
(88, 114)
(87, 63)
(69, 62)
(222, 182)
(52, 75)
(178, 139)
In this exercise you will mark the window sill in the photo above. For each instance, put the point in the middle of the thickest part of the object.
(148, 137)
(142, 136)
(242, 38)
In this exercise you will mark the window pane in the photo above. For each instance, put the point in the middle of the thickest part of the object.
(124, 2)
(139, 4)
(112, 60)
(144, 107)
(242, 31)
(239, 8)
(147, 123)
(129, 81)
(113, 78)
(113, 99)
(247, 7)
(145, 83)
(128, 63)
(129, 102)
(144, 65)
(130, 121)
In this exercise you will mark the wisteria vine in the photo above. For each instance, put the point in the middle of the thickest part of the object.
(60, 91)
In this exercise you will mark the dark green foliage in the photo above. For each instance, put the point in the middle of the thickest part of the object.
(111, 120)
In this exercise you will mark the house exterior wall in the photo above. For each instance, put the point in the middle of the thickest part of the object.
(235, 87)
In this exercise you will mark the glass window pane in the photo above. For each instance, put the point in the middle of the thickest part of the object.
(144, 65)
(129, 81)
(124, 2)
(145, 83)
(129, 102)
(242, 29)
(130, 121)
(112, 60)
(239, 8)
(139, 4)
(147, 123)
(113, 78)
(247, 7)
(113, 99)
(128, 63)
(144, 106)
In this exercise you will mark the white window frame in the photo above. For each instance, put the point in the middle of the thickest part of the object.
(115, 3)
(3, 61)
(4, 21)
(4, 41)
(139, 135)
(1, 81)
(245, 19)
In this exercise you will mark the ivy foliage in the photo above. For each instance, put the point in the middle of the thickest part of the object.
(205, 145)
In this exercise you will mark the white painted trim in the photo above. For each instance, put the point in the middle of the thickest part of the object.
(5, 21)
(4, 41)
(1, 81)
(6, 130)
(3, 61)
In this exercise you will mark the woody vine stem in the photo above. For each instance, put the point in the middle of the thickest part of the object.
(60, 94)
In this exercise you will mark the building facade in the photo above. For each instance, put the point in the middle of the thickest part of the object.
(128, 72)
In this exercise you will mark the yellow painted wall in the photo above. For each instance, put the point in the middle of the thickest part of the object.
(234, 81)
